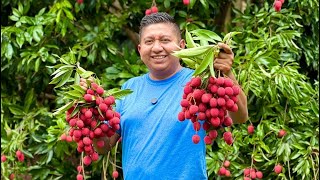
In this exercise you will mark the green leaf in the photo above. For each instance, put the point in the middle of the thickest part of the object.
(281, 149)
(75, 94)
(68, 14)
(78, 88)
(16, 109)
(189, 40)
(206, 34)
(166, 3)
(191, 52)
(37, 64)
(118, 93)
(50, 154)
(20, 40)
(205, 62)
(228, 36)
(189, 62)
(205, 4)
(28, 99)
(37, 33)
(64, 79)
(9, 51)
(63, 67)
(64, 108)
(20, 8)
(16, 13)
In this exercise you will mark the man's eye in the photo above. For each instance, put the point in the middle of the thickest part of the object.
(166, 40)
(148, 41)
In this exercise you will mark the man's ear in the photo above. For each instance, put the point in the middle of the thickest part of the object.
(139, 47)
(182, 43)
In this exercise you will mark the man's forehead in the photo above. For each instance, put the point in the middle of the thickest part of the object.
(159, 30)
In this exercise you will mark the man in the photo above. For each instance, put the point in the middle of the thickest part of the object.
(155, 144)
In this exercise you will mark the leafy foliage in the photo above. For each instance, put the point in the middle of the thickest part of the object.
(276, 62)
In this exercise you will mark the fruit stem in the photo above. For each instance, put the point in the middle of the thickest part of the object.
(105, 165)
(289, 169)
(81, 163)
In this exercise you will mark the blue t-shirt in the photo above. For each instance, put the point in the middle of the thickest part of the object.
(155, 144)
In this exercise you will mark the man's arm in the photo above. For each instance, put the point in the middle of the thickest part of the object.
(108, 143)
(241, 115)
(224, 63)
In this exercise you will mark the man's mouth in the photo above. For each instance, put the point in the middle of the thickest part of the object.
(158, 57)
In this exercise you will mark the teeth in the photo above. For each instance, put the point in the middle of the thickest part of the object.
(158, 57)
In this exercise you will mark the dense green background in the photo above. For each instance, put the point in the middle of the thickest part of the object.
(276, 62)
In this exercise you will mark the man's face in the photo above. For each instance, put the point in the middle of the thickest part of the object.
(157, 42)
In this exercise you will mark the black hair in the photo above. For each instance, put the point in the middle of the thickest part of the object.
(160, 17)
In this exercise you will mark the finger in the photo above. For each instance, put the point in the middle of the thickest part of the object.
(225, 48)
(222, 55)
(222, 67)
(223, 61)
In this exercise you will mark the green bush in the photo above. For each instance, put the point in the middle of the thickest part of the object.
(276, 62)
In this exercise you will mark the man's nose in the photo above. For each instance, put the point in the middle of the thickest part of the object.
(157, 46)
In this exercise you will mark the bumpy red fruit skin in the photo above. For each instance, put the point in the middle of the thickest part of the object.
(195, 82)
(148, 11)
(221, 91)
(3, 158)
(79, 177)
(222, 171)
(213, 134)
(94, 156)
(227, 174)
(207, 140)
(246, 172)
(196, 138)
(259, 174)
(154, 9)
(100, 90)
(11, 176)
(250, 129)
(226, 163)
(63, 137)
(253, 175)
(228, 82)
(115, 174)
(278, 169)
(277, 6)
(87, 97)
(227, 121)
(193, 109)
(220, 81)
(87, 160)
(186, 2)
(181, 116)
(79, 169)
(197, 94)
(236, 90)
(90, 91)
(187, 89)
(281, 133)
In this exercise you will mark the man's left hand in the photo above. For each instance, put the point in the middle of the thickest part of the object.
(224, 60)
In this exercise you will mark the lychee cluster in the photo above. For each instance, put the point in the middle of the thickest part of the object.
(153, 9)
(20, 156)
(209, 101)
(224, 171)
(186, 2)
(252, 173)
(277, 5)
(95, 118)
